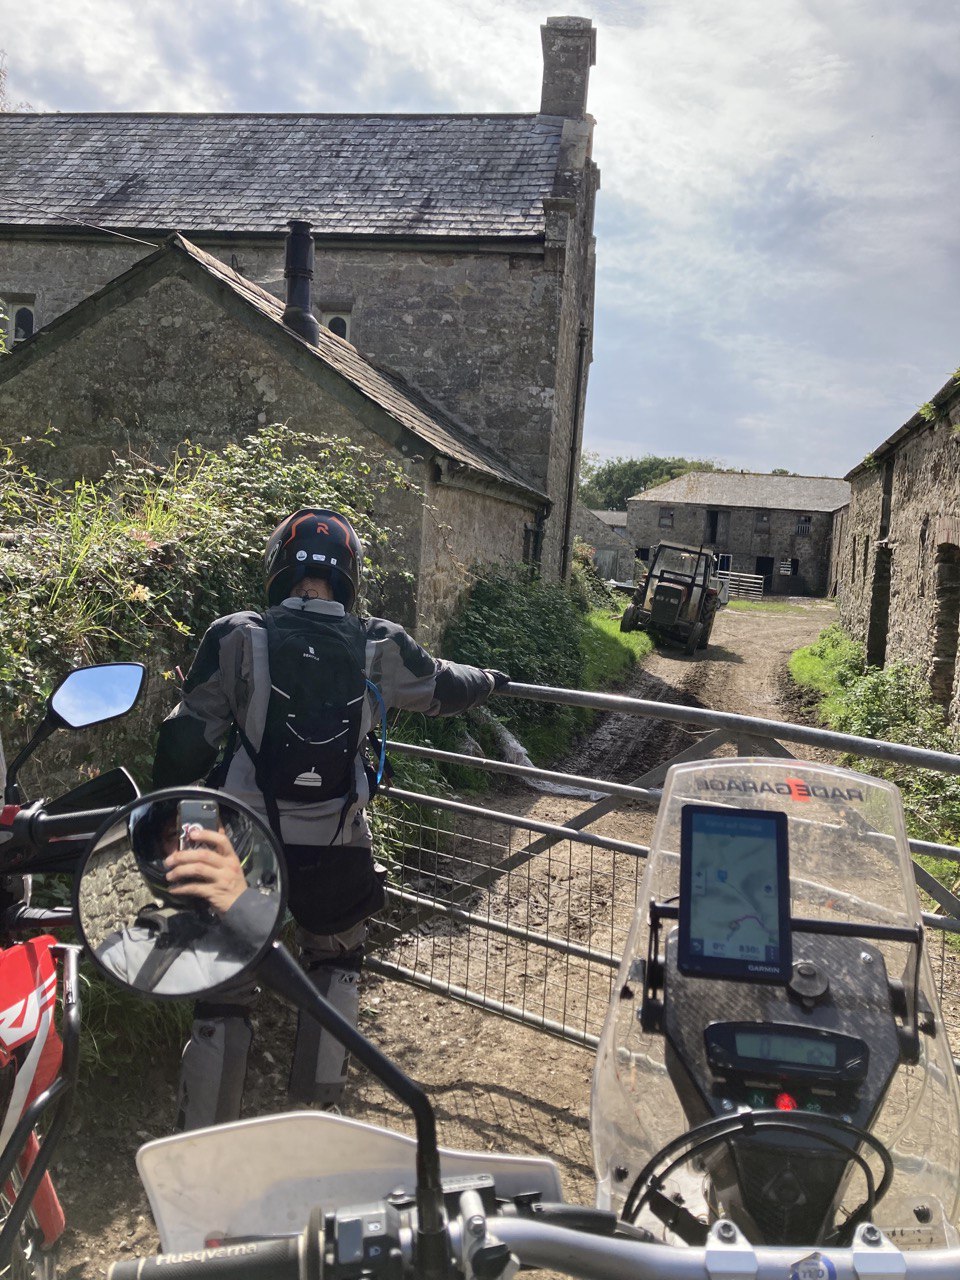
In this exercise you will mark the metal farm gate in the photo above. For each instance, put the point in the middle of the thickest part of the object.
(528, 919)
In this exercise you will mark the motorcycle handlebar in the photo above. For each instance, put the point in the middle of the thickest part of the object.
(50, 826)
(250, 1260)
(548, 1247)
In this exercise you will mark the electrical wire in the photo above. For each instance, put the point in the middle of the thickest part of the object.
(724, 1127)
(78, 222)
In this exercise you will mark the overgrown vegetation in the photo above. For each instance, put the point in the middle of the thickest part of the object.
(892, 703)
(135, 565)
(544, 633)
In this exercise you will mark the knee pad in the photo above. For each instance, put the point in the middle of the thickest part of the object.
(214, 1067)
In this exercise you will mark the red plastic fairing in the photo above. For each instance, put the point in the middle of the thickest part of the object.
(28, 991)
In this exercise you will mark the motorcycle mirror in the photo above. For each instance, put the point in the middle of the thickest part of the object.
(94, 695)
(174, 937)
(89, 695)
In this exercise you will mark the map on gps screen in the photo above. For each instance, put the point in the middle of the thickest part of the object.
(735, 886)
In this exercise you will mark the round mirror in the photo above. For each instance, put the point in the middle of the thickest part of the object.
(180, 893)
(93, 695)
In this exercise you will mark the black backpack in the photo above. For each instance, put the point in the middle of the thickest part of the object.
(312, 734)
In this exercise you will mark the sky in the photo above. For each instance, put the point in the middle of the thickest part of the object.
(778, 226)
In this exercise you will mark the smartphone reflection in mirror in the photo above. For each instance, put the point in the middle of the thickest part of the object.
(174, 908)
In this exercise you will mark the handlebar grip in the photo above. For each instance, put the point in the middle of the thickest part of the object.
(249, 1260)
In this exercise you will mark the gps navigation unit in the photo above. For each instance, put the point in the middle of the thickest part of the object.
(734, 895)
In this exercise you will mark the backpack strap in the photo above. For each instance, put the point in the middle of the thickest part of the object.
(172, 930)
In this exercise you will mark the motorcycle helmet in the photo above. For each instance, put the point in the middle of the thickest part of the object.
(316, 543)
(154, 833)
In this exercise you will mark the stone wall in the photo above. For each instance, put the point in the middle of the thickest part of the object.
(748, 538)
(463, 529)
(899, 565)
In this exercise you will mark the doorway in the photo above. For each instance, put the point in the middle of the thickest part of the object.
(946, 623)
(765, 570)
(880, 608)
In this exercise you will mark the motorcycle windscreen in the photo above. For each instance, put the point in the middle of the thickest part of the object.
(849, 861)
(262, 1177)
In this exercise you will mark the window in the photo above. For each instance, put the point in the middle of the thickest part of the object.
(19, 317)
(666, 517)
(532, 543)
(789, 568)
(724, 562)
(337, 322)
(643, 553)
(762, 523)
(803, 526)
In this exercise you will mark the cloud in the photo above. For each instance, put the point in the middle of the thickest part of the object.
(778, 199)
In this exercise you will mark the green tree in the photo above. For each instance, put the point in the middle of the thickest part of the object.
(606, 486)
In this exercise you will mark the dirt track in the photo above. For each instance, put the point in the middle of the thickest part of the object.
(494, 1084)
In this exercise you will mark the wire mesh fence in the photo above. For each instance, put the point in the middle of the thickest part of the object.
(478, 913)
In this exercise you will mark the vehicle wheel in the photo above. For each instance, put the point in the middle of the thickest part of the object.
(708, 620)
(693, 639)
(629, 620)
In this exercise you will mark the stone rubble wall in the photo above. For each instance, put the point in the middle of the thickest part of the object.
(922, 476)
(113, 381)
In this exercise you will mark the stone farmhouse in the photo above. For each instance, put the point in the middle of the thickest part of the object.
(454, 263)
(898, 547)
(779, 527)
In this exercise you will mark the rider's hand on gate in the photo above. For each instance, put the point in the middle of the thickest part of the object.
(210, 869)
(499, 678)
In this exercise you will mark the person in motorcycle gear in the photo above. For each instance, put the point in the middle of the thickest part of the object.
(312, 574)
(209, 913)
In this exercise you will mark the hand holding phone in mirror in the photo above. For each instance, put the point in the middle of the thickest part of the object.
(206, 864)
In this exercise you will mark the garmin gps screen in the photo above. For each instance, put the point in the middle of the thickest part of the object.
(734, 895)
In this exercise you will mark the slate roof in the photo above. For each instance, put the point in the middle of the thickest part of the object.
(410, 175)
(750, 489)
(428, 424)
(615, 519)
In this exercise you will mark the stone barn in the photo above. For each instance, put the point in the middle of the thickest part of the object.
(898, 547)
(453, 251)
(778, 527)
(605, 532)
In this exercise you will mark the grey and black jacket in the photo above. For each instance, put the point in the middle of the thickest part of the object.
(229, 683)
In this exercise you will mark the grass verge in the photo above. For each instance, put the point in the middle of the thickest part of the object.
(893, 704)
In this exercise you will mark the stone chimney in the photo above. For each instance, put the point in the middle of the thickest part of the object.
(298, 272)
(569, 51)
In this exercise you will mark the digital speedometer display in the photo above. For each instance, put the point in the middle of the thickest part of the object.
(792, 1050)
(783, 1051)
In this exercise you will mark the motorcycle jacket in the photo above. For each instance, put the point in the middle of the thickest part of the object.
(229, 683)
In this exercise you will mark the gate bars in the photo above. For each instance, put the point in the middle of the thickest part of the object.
(528, 919)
